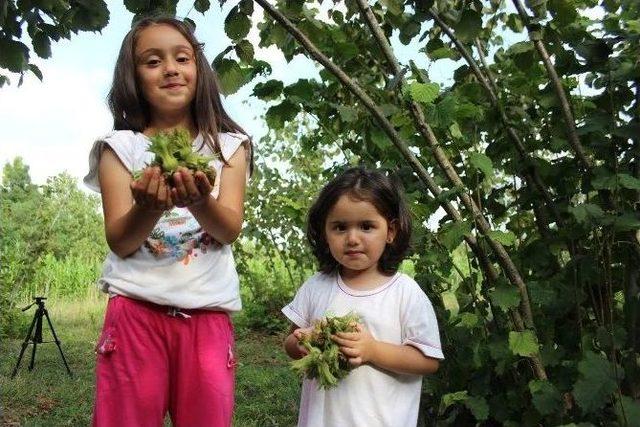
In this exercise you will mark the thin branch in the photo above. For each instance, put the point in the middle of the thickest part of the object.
(565, 107)
(443, 161)
(485, 65)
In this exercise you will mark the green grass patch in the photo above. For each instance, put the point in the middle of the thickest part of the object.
(267, 392)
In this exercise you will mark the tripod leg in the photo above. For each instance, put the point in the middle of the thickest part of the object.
(37, 337)
(24, 346)
(55, 337)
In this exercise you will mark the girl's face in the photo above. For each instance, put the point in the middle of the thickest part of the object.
(357, 235)
(166, 69)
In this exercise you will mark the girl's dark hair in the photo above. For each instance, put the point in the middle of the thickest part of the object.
(131, 111)
(384, 193)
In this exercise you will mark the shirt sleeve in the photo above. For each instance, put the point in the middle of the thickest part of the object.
(123, 148)
(229, 144)
(419, 324)
(299, 310)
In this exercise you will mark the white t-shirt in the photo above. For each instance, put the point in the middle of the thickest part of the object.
(397, 312)
(179, 264)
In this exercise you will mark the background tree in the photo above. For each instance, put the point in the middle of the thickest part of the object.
(51, 240)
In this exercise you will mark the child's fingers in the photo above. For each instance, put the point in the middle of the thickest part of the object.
(152, 188)
(350, 352)
(347, 335)
(340, 341)
(164, 196)
(355, 361)
(193, 193)
(204, 186)
(181, 190)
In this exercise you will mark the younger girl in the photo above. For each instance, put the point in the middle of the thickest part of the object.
(167, 341)
(359, 229)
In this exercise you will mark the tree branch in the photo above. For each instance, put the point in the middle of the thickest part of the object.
(483, 61)
(565, 107)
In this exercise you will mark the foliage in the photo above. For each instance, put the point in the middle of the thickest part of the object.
(51, 237)
(44, 21)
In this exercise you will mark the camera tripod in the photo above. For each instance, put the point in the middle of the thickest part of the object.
(35, 337)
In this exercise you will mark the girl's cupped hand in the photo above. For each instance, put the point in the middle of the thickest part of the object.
(150, 191)
(190, 189)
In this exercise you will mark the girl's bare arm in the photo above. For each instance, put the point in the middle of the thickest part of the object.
(403, 359)
(360, 347)
(128, 224)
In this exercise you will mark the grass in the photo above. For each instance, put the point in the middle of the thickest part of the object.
(267, 392)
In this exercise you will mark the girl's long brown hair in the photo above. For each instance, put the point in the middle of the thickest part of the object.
(131, 111)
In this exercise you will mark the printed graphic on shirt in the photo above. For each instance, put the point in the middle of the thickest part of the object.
(178, 236)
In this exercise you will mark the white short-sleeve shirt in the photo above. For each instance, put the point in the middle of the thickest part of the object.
(397, 312)
(179, 264)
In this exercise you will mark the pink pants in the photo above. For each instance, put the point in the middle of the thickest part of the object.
(150, 361)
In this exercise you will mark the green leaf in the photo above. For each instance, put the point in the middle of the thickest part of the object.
(523, 343)
(451, 398)
(409, 30)
(545, 397)
(14, 55)
(478, 407)
(244, 50)
(505, 297)
(629, 221)
(425, 93)
(237, 25)
(348, 114)
(136, 6)
(278, 115)
(231, 76)
(455, 131)
(201, 5)
(246, 7)
(90, 15)
(268, 90)
(482, 162)
(394, 6)
(627, 181)
(596, 383)
(41, 44)
(452, 234)
(586, 212)
(515, 23)
(468, 320)
(35, 70)
(506, 238)
(564, 11)
(379, 138)
(469, 26)
(629, 413)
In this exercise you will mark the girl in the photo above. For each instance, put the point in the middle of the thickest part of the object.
(167, 341)
(359, 229)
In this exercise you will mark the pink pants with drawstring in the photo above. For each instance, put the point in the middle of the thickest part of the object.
(151, 359)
